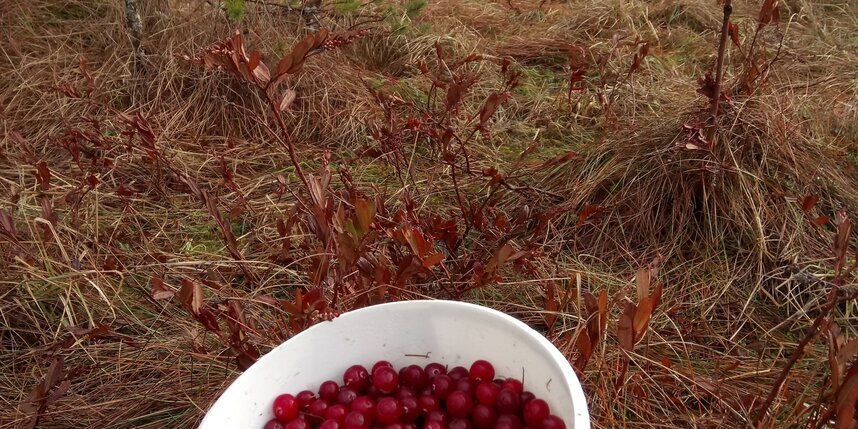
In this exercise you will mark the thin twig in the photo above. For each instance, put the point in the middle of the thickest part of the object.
(719, 65)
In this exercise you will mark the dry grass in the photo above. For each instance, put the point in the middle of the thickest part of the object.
(743, 270)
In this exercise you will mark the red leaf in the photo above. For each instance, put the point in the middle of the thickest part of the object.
(643, 314)
(642, 282)
(820, 220)
(809, 202)
(432, 260)
(160, 292)
(588, 211)
(191, 296)
(43, 175)
(769, 13)
(625, 327)
(847, 397)
(734, 35)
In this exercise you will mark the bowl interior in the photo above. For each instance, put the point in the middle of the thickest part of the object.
(404, 333)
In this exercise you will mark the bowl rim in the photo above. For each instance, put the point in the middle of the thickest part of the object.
(581, 416)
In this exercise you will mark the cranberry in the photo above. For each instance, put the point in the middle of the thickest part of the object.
(513, 384)
(458, 373)
(405, 391)
(436, 416)
(355, 420)
(346, 396)
(273, 424)
(364, 405)
(459, 404)
(535, 412)
(388, 410)
(330, 424)
(336, 412)
(385, 379)
(435, 369)
(297, 424)
(410, 409)
(427, 403)
(487, 392)
(328, 390)
(467, 385)
(305, 398)
(484, 416)
(395, 426)
(508, 402)
(526, 396)
(413, 376)
(553, 422)
(434, 425)
(285, 407)
(380, 364)
(508, 421)
(317, 408)
(482, 370)
(461, 424)
(442, 385)
(357, 378)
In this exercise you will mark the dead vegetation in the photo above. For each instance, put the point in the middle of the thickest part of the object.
(163, 224)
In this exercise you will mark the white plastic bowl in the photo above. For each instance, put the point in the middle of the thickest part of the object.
(404, 333)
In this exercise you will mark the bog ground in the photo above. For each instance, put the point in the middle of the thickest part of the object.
(182, 192)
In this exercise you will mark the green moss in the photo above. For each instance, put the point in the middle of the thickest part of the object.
(346, 7)
(235, 10)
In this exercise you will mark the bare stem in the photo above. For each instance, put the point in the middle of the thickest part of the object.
(287, 138)
(719, 65)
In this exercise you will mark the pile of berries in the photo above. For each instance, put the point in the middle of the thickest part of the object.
(429, 397)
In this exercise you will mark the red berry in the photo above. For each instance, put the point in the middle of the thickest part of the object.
(380, 364)
(434, 425)
(364, 405)
(355, 420)
(317, 408)
(526, 396)
(535, 412)
(508, 421)
(305, 398)
(285, 408)
(385, 379)
(513, 384)
(405, 391)
(297, 424)
(482, 370)
(487, 392)
(458, 373)
(336, 412)
(330, 424)
(357, 378)
(467, 385)
(436, 416)
(395, 426)
(413, 376)
(345, 396)
(484, 416)
(435, 369)
(273, 424)
(328, 390)
(459, 404)
(410, 409)
(427, 403)
(553, 422)
(388, 410)
(442, 385)
(461, 424)
(507, 402)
